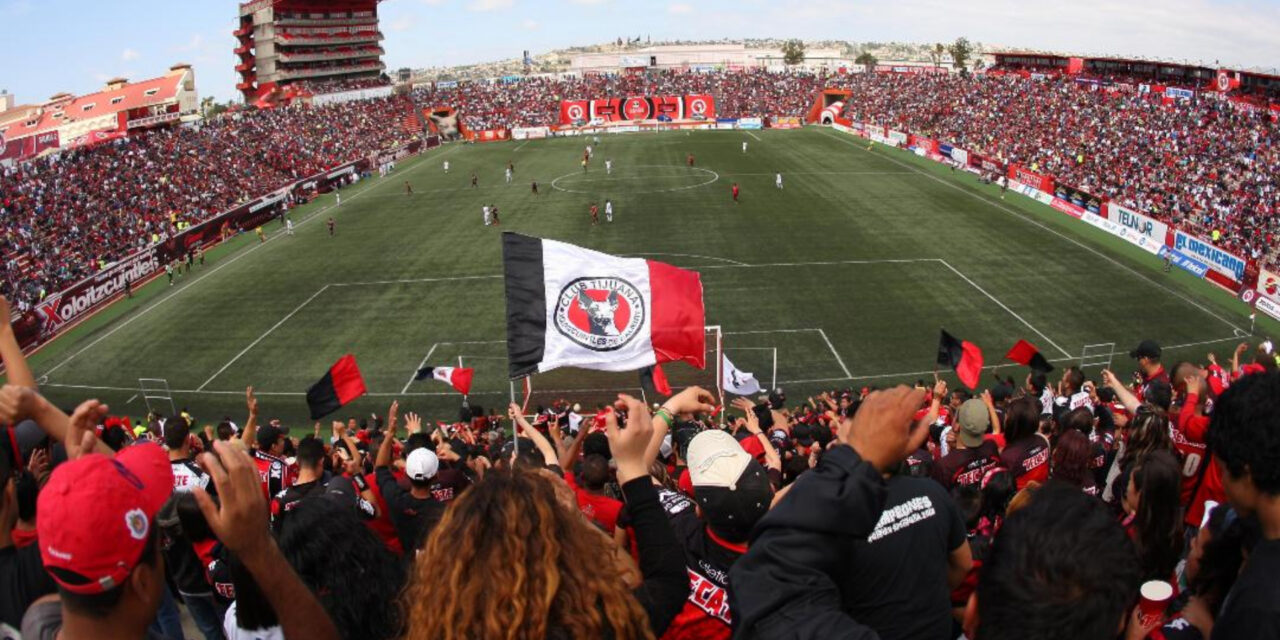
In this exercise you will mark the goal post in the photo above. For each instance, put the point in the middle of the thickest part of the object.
(157, 391)
(1097, 355)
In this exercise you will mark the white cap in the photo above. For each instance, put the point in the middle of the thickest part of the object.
(421, 465)
(716, 460)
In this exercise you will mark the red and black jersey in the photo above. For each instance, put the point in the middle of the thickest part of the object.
(707, 558)
(968, 466)
(275, 474)
(1027, 459)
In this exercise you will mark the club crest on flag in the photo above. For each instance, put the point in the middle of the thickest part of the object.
(601, 314)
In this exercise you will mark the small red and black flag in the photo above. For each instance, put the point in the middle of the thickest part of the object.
(654, 381)
(1026, 354)
(964, 357)
(341, 384)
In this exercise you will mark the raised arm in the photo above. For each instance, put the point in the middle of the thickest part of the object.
(19, 403)
(249, 434)
(689, 401)
(240, 523)
(524, 428)
(15, 364)
(384, 450)
(1123, 393)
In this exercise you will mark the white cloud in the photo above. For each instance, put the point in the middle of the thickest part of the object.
(130, 54)
(530, 25)
(490, 5)
(403, 23)
(679, 8)
(433, 3)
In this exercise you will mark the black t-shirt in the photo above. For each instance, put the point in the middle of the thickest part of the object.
(22, 581)
(967, 466)
(1252, 608)
(706, 611)
(1027, 459)
(412, 517)
(897, 579)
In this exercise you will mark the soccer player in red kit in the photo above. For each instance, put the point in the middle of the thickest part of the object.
(595, 213)
(408, 188)
(735, 192)
(690, 160)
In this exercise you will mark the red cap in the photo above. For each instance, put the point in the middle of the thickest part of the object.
(94, 516)
(751, 444)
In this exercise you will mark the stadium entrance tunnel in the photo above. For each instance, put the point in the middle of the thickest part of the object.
(634, 180)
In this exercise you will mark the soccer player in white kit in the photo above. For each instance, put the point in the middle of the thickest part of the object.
(338, 196)
(487, 218)
(588, 151)
(446, 166)
(288, 226)
(608, 211)
(744, 146)
(608, 167)
(508, 175)
(777, 181)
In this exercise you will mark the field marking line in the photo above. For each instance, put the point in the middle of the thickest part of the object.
(694, 255)
(1037, 223)
(823, 173)
(835, 353)
(414, 280)
(714, 177)
(821, 263)
(232, 260)
(521, 145)
(413, 375)
(261, 337)
(503, 392)
(1005, 307)
(754, 136)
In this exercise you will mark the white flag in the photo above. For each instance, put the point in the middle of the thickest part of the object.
(737, 382)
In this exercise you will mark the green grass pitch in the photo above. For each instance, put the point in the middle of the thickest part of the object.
(848, 273)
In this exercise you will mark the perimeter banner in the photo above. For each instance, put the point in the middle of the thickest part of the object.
(1030, 178)
(1224, 262)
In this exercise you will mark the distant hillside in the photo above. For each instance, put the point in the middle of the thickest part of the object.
(560, 59)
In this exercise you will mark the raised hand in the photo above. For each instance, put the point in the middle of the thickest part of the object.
(628, 445)
(82, 429)
(882, 431)
(691, 400)
(412, 422)
(251, 401)
(240, 520)
(393, 415)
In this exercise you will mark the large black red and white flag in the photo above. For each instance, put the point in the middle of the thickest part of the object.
(573, 307)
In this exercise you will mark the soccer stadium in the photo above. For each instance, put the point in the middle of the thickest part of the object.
(997, 319)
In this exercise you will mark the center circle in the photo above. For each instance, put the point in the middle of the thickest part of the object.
(636, 180)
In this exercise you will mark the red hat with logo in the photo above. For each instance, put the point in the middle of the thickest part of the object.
(94, 516)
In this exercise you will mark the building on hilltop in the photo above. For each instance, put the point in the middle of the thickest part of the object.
(293, 44)
(66, 121)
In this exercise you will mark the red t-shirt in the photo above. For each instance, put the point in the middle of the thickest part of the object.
(1189, 435)
(381, 526)
(602, 510)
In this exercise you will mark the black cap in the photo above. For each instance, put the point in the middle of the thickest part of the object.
(1146, 349)
(268, 435)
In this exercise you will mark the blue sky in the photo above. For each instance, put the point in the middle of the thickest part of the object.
(73, 45)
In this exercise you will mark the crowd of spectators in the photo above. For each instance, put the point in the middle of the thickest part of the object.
(1054, 506)
(1206, 165)
(63, 217)
(319, 87)
(536, 101)
(1203, 165)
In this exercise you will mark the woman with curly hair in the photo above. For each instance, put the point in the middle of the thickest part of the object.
(514, 558)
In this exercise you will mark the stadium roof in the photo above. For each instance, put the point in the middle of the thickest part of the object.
(63, 108)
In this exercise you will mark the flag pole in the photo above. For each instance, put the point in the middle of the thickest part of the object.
(774, 381)
(720, 371)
